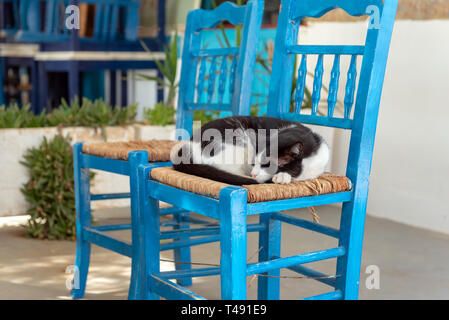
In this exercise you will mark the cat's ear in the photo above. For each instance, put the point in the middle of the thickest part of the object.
(296, 150)
(291, 154)
(284, 159)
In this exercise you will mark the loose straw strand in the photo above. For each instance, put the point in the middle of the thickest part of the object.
(315, 216)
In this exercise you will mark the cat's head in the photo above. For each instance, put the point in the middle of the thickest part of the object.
(301, 156)
(289, 160)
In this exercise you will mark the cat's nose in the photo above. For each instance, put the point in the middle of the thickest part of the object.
(253, 175)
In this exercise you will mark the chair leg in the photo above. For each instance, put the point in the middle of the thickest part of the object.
(351, 238)
(135, 159)
(83, 219)
(270, 245)
(182, 254)
(233, 243)
(150, 249)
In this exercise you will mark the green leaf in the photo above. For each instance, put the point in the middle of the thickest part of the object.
(52, 208)
(160, 115)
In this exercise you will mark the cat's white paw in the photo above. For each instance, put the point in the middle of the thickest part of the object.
(282, 178)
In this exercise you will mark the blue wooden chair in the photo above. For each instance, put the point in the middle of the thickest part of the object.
(232, 204)
(234, 67)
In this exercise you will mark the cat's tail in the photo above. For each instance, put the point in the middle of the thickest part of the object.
(212, 173)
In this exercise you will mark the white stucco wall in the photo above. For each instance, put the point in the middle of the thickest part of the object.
(15, 142)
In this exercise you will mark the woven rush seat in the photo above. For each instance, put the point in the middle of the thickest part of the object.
(325, 184)
(158, 150)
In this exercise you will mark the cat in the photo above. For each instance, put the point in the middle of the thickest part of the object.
(245, 150)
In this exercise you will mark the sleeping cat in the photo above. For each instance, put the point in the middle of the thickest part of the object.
(250, 150)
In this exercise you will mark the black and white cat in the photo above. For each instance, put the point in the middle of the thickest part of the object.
(251, 150)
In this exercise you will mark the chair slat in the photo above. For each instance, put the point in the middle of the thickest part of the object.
(301, 84)
(317, 85)
(60, 23)
(201, 75)
(323, 49)
(215, 52)
(105, 22)
(333, 86)
(98, 18)
(223, 78)
(212, 76)
(209, 107)
(114, 22)
(56, 27)
(350, 86)
(49, 15)
(232, 74)
(131, 22)
(23, 14)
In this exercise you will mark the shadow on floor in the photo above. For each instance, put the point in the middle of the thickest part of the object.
(413, 263)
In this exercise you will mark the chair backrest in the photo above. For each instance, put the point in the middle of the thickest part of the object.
(210, 75)
(113, 20)
(363, 119)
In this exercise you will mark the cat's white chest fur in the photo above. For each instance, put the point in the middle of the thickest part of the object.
(235, 159)
(314, 166)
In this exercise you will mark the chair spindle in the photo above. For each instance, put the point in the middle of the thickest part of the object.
(350, 86)
(301, 84)
(233, 70)
(223, 77)
(201, 75)
(212, 73)
(333, 86)
(317, 85)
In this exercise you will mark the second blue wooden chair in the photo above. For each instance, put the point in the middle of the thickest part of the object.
(224, 81)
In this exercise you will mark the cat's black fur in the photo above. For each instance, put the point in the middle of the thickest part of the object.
(295, 143)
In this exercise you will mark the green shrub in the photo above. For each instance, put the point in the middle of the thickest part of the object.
(168, 68)
(160, 115)
(15, 117)
(94, 114)
(50, 190)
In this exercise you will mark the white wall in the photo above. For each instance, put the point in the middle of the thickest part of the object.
(142, 92)
(411, 155)
(14, 175)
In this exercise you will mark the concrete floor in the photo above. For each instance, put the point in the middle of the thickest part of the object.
(413, 263)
